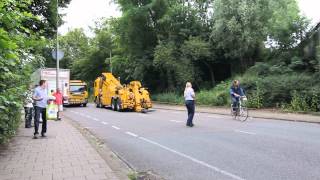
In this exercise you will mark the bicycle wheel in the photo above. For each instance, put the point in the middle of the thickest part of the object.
(243, 114)
(233, 112)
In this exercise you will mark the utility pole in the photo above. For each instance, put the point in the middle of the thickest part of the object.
(57, 47)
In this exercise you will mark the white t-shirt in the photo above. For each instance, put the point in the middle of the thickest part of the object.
(188, 93)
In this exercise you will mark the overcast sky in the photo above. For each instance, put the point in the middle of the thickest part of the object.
(83, 13)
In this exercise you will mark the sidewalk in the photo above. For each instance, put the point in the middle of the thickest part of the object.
(265, 114)
(63, 154)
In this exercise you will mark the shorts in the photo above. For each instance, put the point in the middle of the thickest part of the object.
(60, 107)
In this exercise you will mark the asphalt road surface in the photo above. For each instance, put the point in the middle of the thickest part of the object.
(218, 147)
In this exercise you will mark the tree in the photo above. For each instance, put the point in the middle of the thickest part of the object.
(75, 45)
(18, 45)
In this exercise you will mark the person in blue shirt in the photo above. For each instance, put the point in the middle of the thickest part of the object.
(236, 92)
(40, 97)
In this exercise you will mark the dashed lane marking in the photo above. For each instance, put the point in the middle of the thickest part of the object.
(131, 134)
(115, 127)
(176, 121)
(245, 132)
(105, 123)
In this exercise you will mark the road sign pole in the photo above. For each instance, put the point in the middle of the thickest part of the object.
(57, 47)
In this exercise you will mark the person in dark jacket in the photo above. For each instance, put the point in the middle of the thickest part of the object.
(236, 92)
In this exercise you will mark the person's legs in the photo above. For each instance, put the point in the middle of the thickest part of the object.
(189, 111)
(192, 108)
(25, 117)
(44, 121)
(36, 120)
(234, 104)
(60, 109)
(28, 117)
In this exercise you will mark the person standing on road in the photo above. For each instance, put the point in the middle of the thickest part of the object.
(58, 102)
(189, 97)
(28, 107)
(41, 97)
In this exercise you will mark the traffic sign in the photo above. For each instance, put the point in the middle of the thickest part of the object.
(60, 54)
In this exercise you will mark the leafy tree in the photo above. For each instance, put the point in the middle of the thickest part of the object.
(18, 52)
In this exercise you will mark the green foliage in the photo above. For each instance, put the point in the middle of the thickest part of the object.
(169, 97)
(166, 43)
(256, 97)
(299, 102)
(19, 53)
(219, 96)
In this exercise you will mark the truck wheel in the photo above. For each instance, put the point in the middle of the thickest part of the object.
(119, 107)
(98, 102)
(113, 104)
(85, 105)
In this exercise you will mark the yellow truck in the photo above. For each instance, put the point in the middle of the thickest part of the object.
(109, 92)
(78, 94)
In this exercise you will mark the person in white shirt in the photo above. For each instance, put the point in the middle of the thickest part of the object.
(189, 97)
(28, 107)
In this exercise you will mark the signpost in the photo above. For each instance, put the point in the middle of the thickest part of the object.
(57, 55)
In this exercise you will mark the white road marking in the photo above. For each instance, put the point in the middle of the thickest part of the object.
(176, 112)
(115, 127)
(105, 123)
(233, 176)
(144, 115)
(245, 132)
(131, 134)
(210, 116)
(176, 121)
(88, 116)
(95, 119)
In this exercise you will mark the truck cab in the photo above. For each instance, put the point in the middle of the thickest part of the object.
(78, 93)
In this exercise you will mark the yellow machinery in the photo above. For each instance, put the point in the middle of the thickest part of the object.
(108, 91)
(78, 94)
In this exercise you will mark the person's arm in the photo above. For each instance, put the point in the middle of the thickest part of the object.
(36, 96)
(193, 95)
(242, 92)
(233, 93)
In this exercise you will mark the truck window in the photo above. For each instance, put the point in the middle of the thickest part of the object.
(77, 89)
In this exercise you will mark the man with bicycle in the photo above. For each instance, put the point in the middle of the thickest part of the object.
(236, 93)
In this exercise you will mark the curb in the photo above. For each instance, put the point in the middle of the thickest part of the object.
(269, 118)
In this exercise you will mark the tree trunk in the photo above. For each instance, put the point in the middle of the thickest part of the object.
(213, 81)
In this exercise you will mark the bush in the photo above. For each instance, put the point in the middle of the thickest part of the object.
(169, 97)
(298, 102)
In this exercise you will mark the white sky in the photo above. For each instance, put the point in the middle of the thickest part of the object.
(83, 13)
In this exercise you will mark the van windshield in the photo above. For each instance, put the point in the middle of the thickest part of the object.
(77, 89)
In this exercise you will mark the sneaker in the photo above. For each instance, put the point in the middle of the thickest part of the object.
(43, 135)
(35, 136)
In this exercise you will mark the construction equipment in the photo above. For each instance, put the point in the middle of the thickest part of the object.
(109, 92)
(78, 94)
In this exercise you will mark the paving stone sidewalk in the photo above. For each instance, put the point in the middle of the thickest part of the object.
(63, 155)
(266, 114)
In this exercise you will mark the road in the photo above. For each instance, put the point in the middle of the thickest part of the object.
(216, 148)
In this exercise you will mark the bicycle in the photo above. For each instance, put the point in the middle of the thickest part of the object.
(241, 111)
